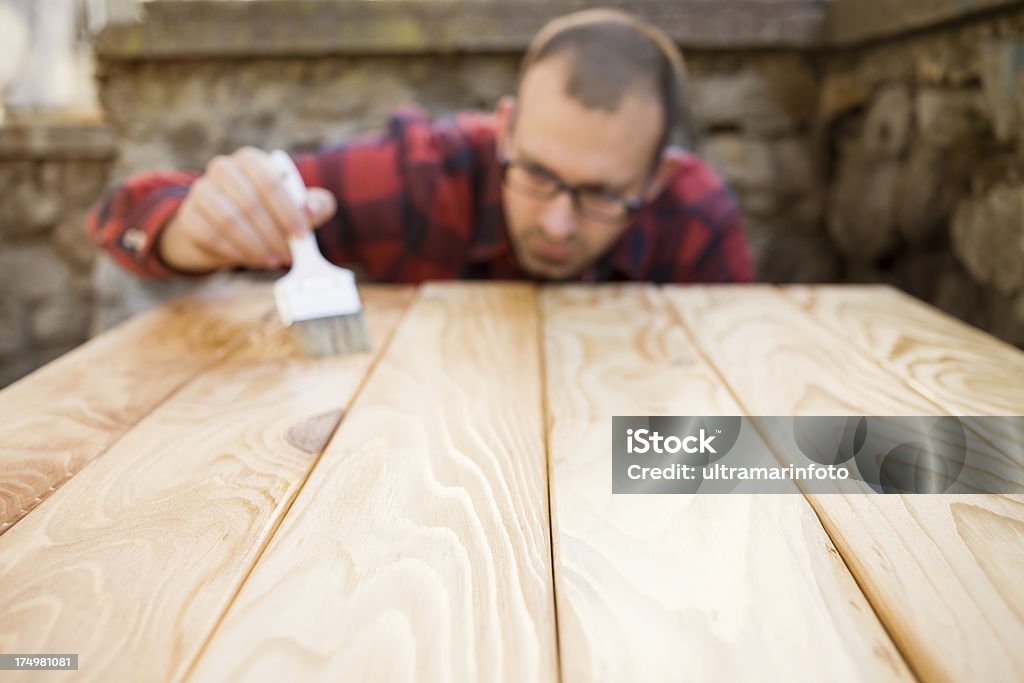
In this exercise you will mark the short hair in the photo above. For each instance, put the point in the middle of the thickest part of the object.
(609, 54)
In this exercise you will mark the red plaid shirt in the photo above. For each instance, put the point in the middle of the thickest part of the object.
(423, 201)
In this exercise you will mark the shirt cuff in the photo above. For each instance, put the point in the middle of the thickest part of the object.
(137, 244)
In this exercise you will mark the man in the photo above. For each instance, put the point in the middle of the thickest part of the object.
(573, 180)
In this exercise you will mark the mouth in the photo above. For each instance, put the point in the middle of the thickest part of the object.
(551, 252)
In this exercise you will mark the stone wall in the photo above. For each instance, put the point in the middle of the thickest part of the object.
(924, 165)
(49, 175)
(755, 117)
(878, 160)
(899, 161)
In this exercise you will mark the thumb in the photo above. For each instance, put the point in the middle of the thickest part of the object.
(320, 205)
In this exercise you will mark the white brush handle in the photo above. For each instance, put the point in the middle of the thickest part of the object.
(306, 254)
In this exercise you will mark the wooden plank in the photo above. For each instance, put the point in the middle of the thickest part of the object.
(938, 569)
(419, 548)
(132, 562)
(680, 587)
(958, 366)
(56, 420)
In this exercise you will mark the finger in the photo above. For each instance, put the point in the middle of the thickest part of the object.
(269, 184)
(209, 246)
(236, 184)
(229, 223)
(320, 205)
(177, 246)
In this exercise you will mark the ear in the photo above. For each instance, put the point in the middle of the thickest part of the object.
(505, 116)
(672, 159)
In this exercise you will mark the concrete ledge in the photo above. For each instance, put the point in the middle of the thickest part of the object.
(853, 22)
(277, 28)
(56, 141)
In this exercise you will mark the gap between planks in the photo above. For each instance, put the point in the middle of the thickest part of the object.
(374, 564)
(955, 562)
(237, 364)
(99, 353)
(378, 355)
(596, 649)
(826, 527)
(546, 427)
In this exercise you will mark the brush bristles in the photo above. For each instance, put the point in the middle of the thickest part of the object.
(332, 335)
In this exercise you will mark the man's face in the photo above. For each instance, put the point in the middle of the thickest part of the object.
(589, 148)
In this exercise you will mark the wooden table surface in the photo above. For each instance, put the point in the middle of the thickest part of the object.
(187, 498)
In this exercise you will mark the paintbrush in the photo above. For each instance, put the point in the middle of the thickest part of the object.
(317, 300)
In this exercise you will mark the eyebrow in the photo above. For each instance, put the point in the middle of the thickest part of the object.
(601, 187)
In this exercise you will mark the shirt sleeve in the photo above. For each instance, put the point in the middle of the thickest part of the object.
(727, 256)
(404, 204)
(127, 221)
(713, 247)
(405, 198)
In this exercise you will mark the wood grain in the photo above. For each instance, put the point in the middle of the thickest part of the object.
(132, 562)
(419, 548)
(680, 587)
(958, 366)
(56, 420)
(961, 368)
(935, 567)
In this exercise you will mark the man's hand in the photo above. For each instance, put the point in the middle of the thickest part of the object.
(239, 214)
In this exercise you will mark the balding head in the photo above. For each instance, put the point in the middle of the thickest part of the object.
(608, 55)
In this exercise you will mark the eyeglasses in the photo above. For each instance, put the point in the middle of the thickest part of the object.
(533, 181)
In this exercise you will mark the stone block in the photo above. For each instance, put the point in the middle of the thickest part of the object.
(73, 243)
(787, 165)
(857, 21)
(488, 79)
(62, 319)
(786, 257)
(120, 295)
(1002, 78)
(772, 99)
(803, 213)
(31, 202)
(12, 326)
(959, 294)
(746, 163)
(841, 93)
(796, 165)
(760, 204)
(886, 130)
(33, 273)
(988, 237)
(862, 207)
(948, 118)
(928, 195)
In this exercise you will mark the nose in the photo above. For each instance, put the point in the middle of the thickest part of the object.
(559, 219)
